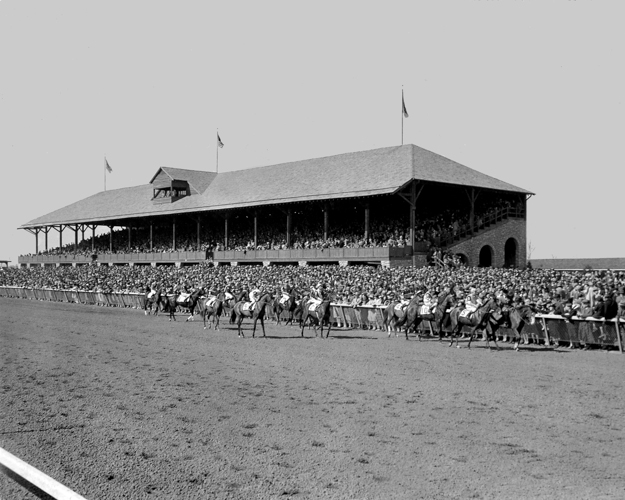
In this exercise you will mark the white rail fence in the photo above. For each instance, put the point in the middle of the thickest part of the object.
(547, 330)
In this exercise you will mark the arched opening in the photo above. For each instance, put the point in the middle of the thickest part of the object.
(510, 253)
(486, 256)
(464, 260)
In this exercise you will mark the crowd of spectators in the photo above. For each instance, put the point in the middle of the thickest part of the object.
(432, 227)
(570, 294)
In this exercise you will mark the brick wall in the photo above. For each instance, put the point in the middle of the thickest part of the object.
(496, 237)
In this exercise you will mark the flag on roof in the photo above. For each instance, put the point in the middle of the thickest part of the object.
(219, 143)
(403, 105)
(108, 167)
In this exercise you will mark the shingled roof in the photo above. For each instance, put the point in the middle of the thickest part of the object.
(349, 175)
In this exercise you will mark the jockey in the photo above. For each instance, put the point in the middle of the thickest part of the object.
(317, 295)
(472, 301)
(254, 296)
(151, 290)
(243, 295)
(428, 300)
(286, 293)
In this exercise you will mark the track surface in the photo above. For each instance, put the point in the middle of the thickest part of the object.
(114, 404)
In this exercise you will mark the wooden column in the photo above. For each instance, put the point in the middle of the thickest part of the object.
(255, 229)
(46, 230)
(413, 214)
(226, 232)
(472, 195)
(151, 238)
(367, 215)
(36, 233)
(60, 236)
(111, 239)
(75, 229)
(93, 238)
(129, 238)
(289, 222)
(326, 220)
(198, 225)
(173, 225)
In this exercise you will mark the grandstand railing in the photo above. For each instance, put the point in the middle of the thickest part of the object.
(290, 255)
(482, 222)
(547, 329)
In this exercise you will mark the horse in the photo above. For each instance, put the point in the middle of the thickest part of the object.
(392, 317)
(257, 313)
(439, 315)
(480, 319)
(212, 306)
(152, 301)
(172, 302)
(318, 316)
(516, 317)
(279, 306)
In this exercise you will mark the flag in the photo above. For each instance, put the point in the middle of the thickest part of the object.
(108, 167)
(403, 105)
(219, 143)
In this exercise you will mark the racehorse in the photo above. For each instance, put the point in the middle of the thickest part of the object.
(239, 312)
(289, 305)
(516, 318)
(480, 319)
(153, 301)
(172, 302)
(438, 315)
(211, 306)
(318, 316)
(394, 318)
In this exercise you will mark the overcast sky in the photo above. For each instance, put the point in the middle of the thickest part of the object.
(530, 92)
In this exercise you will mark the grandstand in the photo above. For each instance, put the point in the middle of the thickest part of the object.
(347, 205)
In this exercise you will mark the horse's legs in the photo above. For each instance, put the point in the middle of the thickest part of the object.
(239, 321)
(329, 328)
(262, 325)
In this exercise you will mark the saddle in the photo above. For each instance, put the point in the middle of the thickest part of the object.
(183, 298)
(466, 313)
(151, 294)
(248, 306)
(283, 300)
(399, 307)
(211, 302)
(426, 310)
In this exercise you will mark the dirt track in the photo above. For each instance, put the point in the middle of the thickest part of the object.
(114, 404)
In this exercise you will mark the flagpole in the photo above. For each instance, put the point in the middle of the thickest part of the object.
(402, 116)
(217, 148)
(104, 172)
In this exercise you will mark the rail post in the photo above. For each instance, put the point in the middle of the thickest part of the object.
(618, 334)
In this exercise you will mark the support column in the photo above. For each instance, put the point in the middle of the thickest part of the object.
(255, 229)
(173, 225)
(226, 232)
(289, 222)
(151, 239)
(46, 230)
(129, 238)
(111, 239)
(413, 214)
(93, 238)
(367, 222)
(61, 236)
(75, 229)
(326, 220)
(472, 195)
(198, 233)
(36, 233)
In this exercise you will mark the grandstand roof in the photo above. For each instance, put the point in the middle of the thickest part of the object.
(349, 175)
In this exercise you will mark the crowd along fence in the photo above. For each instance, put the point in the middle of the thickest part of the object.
(547, 329)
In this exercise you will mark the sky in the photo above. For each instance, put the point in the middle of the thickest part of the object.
(529, 92)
